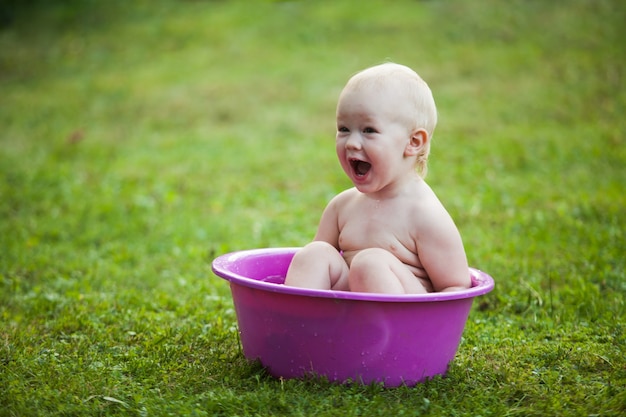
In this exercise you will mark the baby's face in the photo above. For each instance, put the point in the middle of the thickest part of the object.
(373, 131)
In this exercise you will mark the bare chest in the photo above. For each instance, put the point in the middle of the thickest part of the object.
(386, 228)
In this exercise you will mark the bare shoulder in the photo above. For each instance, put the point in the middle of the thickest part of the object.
(429, 211)
(348, 194)
(432, 226)
(344, 198)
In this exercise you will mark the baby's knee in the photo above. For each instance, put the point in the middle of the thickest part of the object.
(368, 261)
(316, 250)
(319, 248)
(369, 257)
(371, 271)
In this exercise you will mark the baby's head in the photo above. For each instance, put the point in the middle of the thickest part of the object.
(415, 99)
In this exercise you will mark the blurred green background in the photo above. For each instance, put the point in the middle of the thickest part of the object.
(140, 139)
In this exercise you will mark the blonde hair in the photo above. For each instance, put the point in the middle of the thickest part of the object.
(418, 94)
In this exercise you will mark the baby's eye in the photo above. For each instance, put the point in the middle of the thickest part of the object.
(369, 130)
(342, 129)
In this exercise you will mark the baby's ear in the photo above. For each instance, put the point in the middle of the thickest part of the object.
(417, 141)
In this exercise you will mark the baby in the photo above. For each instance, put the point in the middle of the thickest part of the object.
(390, 233)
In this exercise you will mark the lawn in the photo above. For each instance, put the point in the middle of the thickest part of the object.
(140, 140)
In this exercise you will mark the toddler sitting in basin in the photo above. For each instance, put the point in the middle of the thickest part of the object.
(390, 233)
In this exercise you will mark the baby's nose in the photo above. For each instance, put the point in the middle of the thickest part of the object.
(353, 142)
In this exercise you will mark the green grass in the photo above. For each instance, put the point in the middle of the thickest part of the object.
(141, 139)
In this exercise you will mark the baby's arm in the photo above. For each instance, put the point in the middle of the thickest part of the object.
(328, 228)
(441, 252)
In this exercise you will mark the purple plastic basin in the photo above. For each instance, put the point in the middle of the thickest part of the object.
(344, 336)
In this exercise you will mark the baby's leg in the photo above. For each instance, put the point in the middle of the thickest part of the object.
(319, 266)
(379, 271)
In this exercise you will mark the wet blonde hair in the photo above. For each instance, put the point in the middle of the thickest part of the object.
(423, 112)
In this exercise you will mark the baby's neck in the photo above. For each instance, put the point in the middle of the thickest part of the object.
(408, 187)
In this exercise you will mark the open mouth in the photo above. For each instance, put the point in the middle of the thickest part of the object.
(360, 168)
